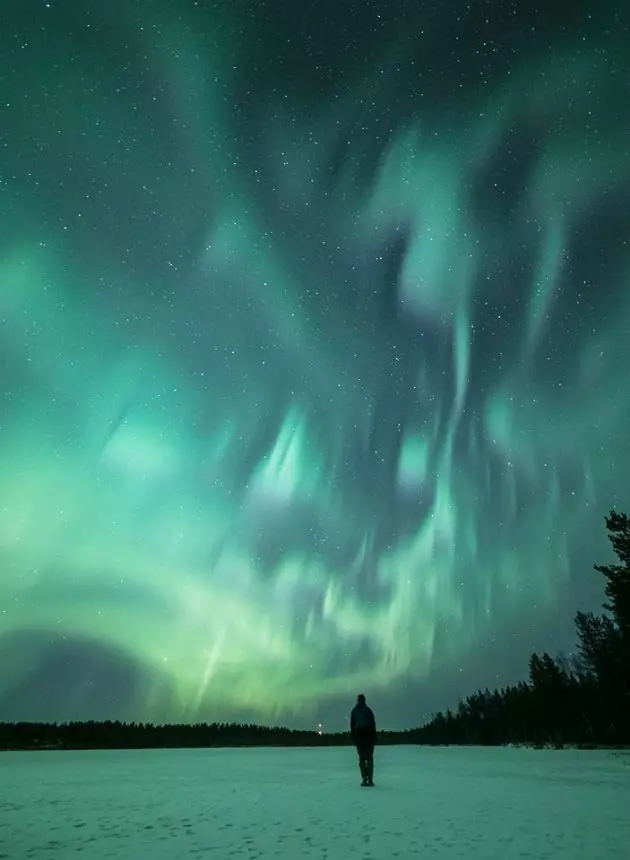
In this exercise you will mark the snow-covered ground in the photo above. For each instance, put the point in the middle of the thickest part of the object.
(298, 804)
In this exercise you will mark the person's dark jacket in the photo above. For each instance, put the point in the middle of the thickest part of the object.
(362, 724)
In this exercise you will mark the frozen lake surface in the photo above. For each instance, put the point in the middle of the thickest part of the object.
(298, 804)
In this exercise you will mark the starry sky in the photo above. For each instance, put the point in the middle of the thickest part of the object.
(314, 350)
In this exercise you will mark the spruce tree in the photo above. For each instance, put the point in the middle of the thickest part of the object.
(618, 575)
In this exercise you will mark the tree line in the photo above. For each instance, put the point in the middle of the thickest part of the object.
(132, 735)
(582, 701)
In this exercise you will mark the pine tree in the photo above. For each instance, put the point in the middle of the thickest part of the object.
(618, 575)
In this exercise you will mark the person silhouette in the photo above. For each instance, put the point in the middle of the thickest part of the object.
(363, 732)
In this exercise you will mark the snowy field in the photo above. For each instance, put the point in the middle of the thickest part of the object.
(298, 804)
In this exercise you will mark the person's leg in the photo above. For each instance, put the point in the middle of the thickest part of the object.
(361, 752)
(369, 765)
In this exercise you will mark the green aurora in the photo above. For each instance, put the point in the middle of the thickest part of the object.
(314, 339)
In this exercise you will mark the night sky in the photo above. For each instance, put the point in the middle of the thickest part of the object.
(314, 350)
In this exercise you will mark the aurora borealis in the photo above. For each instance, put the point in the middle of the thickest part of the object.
(315, 344)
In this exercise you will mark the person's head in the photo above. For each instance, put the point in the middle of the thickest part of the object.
(361, 699)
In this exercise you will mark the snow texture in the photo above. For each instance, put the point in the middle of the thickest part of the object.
(299, 804)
